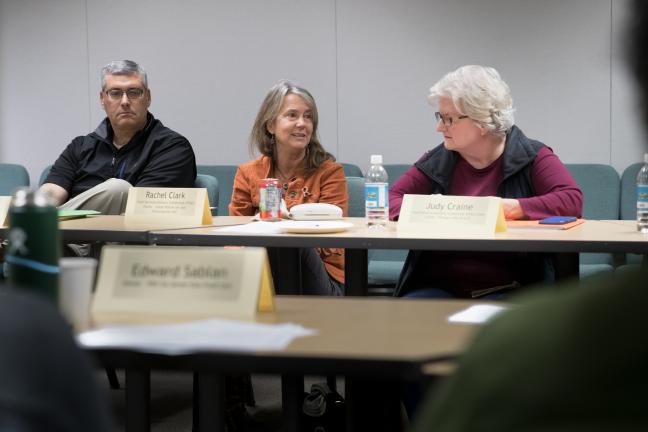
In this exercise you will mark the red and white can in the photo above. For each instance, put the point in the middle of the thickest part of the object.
(269, 199)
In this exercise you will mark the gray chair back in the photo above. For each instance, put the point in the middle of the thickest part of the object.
(225, 176)
(394, 171)
(211, 184)
(351, 170)
(628, 208)
(12, 176)
(385, 264)
(355, 186)
(44, 175)
(601, 191)
(629, 191)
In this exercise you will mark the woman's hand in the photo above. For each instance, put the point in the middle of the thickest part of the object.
(512, 209)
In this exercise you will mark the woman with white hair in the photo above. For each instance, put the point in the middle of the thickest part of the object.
(483, 154)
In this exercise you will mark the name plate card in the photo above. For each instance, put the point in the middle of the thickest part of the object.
(168, 206)
(450, 216)
(5, 202)
(140, 284)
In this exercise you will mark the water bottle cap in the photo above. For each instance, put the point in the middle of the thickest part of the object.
(376, 160)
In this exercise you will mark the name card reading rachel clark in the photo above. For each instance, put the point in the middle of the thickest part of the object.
(450, 216)
(168, 206)
(175, 283)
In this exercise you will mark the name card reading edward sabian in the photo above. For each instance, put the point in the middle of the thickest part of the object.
(136, 283)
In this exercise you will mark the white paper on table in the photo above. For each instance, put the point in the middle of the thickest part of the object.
(287, 226)
(476, 314)
(213, 334)
(260, 227)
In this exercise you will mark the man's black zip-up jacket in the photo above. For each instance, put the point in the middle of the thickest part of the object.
(156, 156)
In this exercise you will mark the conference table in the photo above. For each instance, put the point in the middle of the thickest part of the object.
(376, 343)
(607, 236)
(344, 348)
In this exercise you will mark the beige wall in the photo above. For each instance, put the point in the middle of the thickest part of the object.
(369, 64)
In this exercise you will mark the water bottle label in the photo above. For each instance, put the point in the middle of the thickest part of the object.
(642, 197)
(376, 195)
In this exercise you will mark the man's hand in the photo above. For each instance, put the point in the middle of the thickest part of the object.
(58, 194)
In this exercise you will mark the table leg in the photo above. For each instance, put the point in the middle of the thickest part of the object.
(209, 406)
(566, 265)
(138, 399)
(286, 271)
(355, 272)
(292, 398)
(372, 405)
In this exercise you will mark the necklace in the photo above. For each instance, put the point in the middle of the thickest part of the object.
(282, 177)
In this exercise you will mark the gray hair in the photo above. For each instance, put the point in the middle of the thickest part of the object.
(123, 67)
(480, 93)
(261, 139)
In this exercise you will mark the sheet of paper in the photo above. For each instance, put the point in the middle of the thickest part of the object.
(206, 335)
(73, 214)
(259, 227)
(477, 314)
(289, 226)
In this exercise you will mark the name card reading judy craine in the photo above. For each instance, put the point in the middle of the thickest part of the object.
(451, 216)
(173, 283)
(168, 206)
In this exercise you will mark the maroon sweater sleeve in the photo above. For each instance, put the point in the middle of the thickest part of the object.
(412, 182)
(557, 193)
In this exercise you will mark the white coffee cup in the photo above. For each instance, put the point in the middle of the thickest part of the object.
(76, 280)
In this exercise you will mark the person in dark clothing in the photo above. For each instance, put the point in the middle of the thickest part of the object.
(483, 154)
(129, 148)
(46, 381)
(570, 359)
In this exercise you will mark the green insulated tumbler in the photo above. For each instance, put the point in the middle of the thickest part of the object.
(34, 244)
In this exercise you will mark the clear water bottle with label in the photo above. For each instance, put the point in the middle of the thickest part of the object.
(642, 197)
(376, 194)
(34, 244)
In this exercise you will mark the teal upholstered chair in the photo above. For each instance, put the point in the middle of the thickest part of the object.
(44, 174)
(12, 176)
(628, 208)
(211, 184)
(601, 191)
(225, 176)
(351, 170)
(385, 265)
(355, 186)
(629, 201)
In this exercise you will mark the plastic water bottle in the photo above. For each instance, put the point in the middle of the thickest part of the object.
(34, 244)
(376, 194)
(642, 197)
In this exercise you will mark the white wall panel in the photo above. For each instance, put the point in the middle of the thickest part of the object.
(43, 80)
(210, 63)
(554, 55)
(369, 64)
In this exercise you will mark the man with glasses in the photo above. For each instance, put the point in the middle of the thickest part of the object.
(129, 148)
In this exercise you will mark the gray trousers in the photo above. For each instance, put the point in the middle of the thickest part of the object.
(108, 197)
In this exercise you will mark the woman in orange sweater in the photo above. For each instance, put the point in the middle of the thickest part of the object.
(285, 133)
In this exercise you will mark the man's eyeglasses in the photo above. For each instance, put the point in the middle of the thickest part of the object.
(448, 120)
(116, 94)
